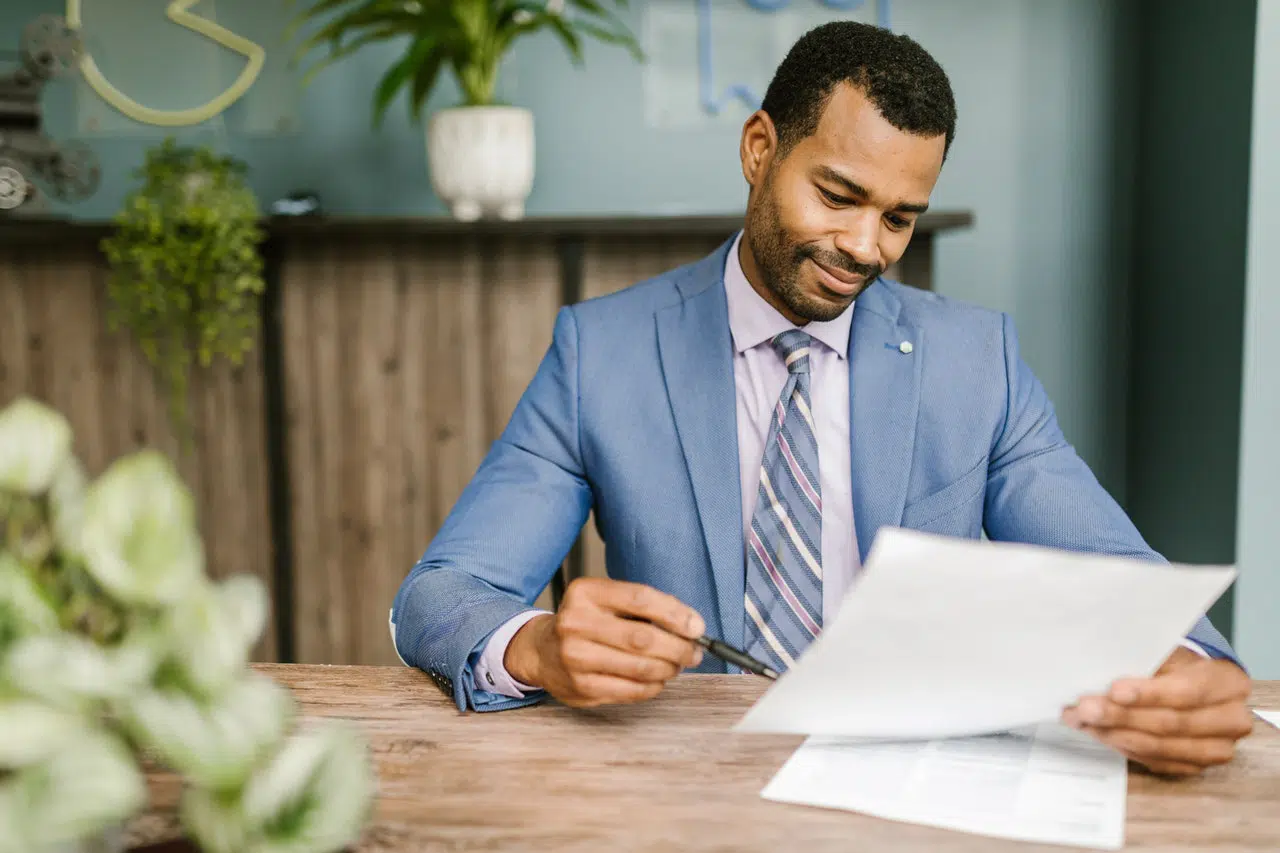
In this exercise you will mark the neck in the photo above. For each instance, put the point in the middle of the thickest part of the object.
(756, 279)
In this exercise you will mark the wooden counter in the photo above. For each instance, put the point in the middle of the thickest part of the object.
(669, 775)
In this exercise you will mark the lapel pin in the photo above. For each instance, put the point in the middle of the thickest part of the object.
(905, 348)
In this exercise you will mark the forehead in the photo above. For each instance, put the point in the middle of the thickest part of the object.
(855, 139)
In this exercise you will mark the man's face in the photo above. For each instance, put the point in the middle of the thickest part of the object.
(838, 209)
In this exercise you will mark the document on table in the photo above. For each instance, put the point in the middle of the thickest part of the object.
(942, 637)
(1272, 717)
(1045, 784)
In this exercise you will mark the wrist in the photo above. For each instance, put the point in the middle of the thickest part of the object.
(522, 659)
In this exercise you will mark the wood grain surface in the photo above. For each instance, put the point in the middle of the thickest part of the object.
(403, 361)
(670, 775)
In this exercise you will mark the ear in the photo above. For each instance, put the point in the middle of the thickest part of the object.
(758, 147)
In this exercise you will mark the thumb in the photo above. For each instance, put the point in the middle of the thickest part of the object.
(1177, 659)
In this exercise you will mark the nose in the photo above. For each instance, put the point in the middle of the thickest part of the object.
(858, 239)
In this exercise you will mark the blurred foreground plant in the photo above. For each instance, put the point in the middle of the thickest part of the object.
(114, 645)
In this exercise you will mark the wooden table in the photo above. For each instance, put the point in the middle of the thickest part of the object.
(669, 775)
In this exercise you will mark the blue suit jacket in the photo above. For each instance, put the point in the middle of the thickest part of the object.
(632, 413)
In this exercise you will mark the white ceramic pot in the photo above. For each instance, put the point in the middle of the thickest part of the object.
(481, 160)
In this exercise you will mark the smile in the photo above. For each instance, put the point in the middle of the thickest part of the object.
(837, 281)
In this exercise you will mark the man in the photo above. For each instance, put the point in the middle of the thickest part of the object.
(744, 425)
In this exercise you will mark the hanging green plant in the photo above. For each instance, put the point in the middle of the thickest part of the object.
(186, 274)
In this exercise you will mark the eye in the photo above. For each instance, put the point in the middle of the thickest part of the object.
(832, 198)
(897, 223)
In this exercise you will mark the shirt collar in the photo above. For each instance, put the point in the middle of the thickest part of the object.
(753, 321)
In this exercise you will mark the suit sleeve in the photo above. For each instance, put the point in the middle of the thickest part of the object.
(506, 536)
(1040, 491)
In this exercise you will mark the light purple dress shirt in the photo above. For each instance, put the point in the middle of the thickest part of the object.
(758, 375)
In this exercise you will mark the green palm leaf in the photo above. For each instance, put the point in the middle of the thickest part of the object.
(399, 74)
(469, 36)
(345, 50)
(608, 36)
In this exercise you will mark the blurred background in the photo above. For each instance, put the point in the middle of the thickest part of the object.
(1114, 185)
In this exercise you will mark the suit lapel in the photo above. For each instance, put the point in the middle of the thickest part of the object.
(697, 362)
(884, 400)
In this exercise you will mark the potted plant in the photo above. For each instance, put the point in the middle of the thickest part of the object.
(116, 648)
(186, 275)
(480, 153)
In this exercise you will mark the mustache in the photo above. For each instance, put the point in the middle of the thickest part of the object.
(838, 261)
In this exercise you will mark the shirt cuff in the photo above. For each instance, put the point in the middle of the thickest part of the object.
(1195, 647)
(490, 671)
(391, 623)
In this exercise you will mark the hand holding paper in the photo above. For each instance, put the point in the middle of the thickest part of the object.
(1188, 717)
(942, 637)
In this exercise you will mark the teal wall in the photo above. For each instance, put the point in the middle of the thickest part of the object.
(1040, 158)
(1195, 96)
(1258, 542)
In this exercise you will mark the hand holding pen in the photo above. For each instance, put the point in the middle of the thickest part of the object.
(613, 642)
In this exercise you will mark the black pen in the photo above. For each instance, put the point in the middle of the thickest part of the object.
(728, 653)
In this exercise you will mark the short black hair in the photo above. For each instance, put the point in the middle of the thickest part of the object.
(898, 76)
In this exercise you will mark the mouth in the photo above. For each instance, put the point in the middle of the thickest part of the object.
(838, 282)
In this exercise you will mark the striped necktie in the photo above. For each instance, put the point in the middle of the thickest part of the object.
(784, 546)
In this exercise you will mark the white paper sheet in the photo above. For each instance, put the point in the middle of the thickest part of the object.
(942, 637)
(1048, 784)
(1272, 717)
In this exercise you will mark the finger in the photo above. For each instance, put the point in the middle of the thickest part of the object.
(1205, 682)
(1228, 719)
(645, 602)
(584, 656)
(637, 638)
(591, 690)
(1201, 752)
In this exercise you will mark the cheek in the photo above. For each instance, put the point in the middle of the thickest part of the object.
(814, 218)
(801, 215)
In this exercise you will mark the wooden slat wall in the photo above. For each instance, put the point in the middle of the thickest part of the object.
(55, 347)
(403, 362)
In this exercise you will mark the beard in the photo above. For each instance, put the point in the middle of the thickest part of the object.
(780, 259)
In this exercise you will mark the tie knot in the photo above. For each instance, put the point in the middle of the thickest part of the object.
(793, 346)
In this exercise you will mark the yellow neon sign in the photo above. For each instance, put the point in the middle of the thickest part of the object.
(179, 14)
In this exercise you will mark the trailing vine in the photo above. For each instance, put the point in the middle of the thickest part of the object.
(186, 274)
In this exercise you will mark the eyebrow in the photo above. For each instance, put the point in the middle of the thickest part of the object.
(857, 189)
